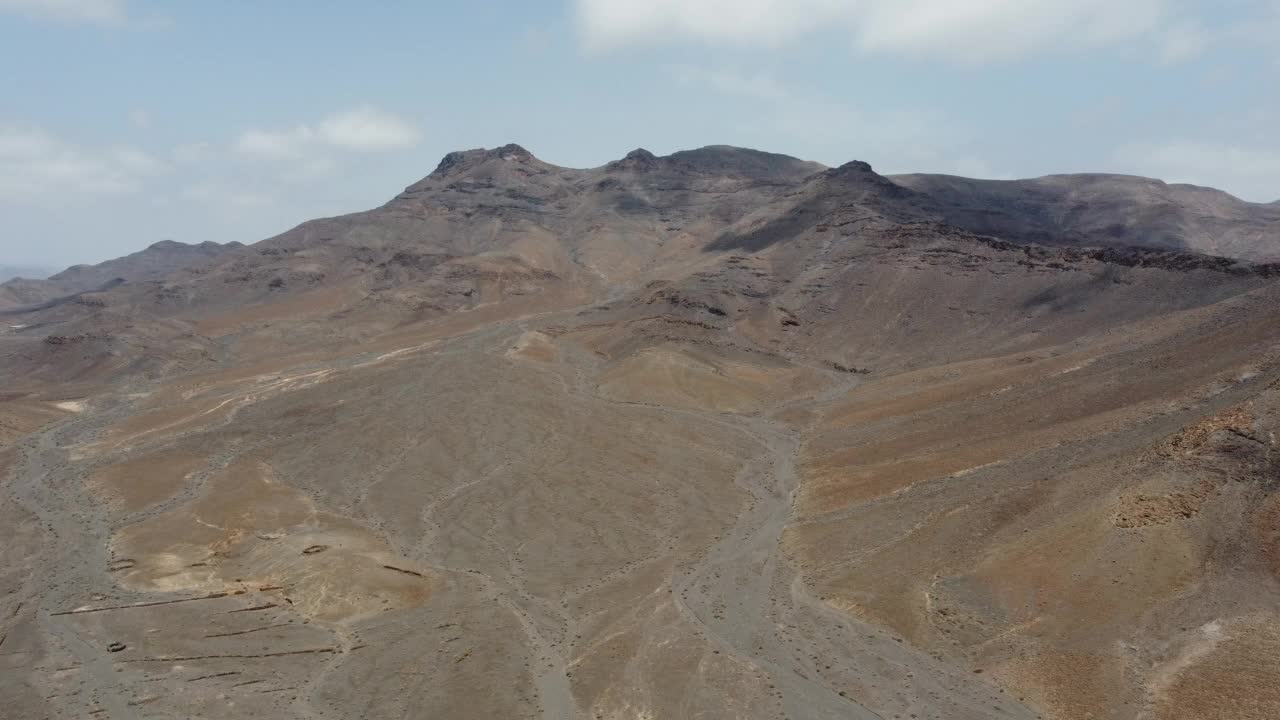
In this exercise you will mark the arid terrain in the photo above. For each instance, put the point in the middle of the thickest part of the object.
(720, 434)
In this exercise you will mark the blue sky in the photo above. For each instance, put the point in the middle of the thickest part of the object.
(124, 122)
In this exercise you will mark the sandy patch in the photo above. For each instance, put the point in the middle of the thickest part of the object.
(138, 483)
(535, 346)
(251, 530)
(667, 376)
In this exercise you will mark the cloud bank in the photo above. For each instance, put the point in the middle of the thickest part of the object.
(363, 129)
(101, 12)
(970, 31)
(36, 165)
(34, 162)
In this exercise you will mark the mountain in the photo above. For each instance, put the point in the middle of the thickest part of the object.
(715, 434)
(156, 261)
(8, 272)
(1106, 210)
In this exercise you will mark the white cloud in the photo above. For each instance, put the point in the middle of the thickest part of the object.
(1252, 173)
(606, 23)
(368, 129)
(34, 162)
(363, 129)
(104, 12)
(970, 31)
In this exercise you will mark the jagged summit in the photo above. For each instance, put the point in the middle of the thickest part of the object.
(466, 159)
(715, 160)
(638, 160)
(856, 166)
(860, 172)
(1076, 209)
(640, 154)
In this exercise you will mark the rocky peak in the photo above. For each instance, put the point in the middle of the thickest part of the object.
(512, 151)
(638, 160)
(858, 174)
(855, 166)
(462, 160)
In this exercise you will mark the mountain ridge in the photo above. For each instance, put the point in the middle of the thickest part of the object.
(719, 434)
(150, 263)
(487, 223)
(1107, 209)
(28, 272)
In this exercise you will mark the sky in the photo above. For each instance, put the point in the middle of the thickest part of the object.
(126, 122)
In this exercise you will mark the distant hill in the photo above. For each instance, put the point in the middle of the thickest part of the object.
(32, 272)
(156, 261)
